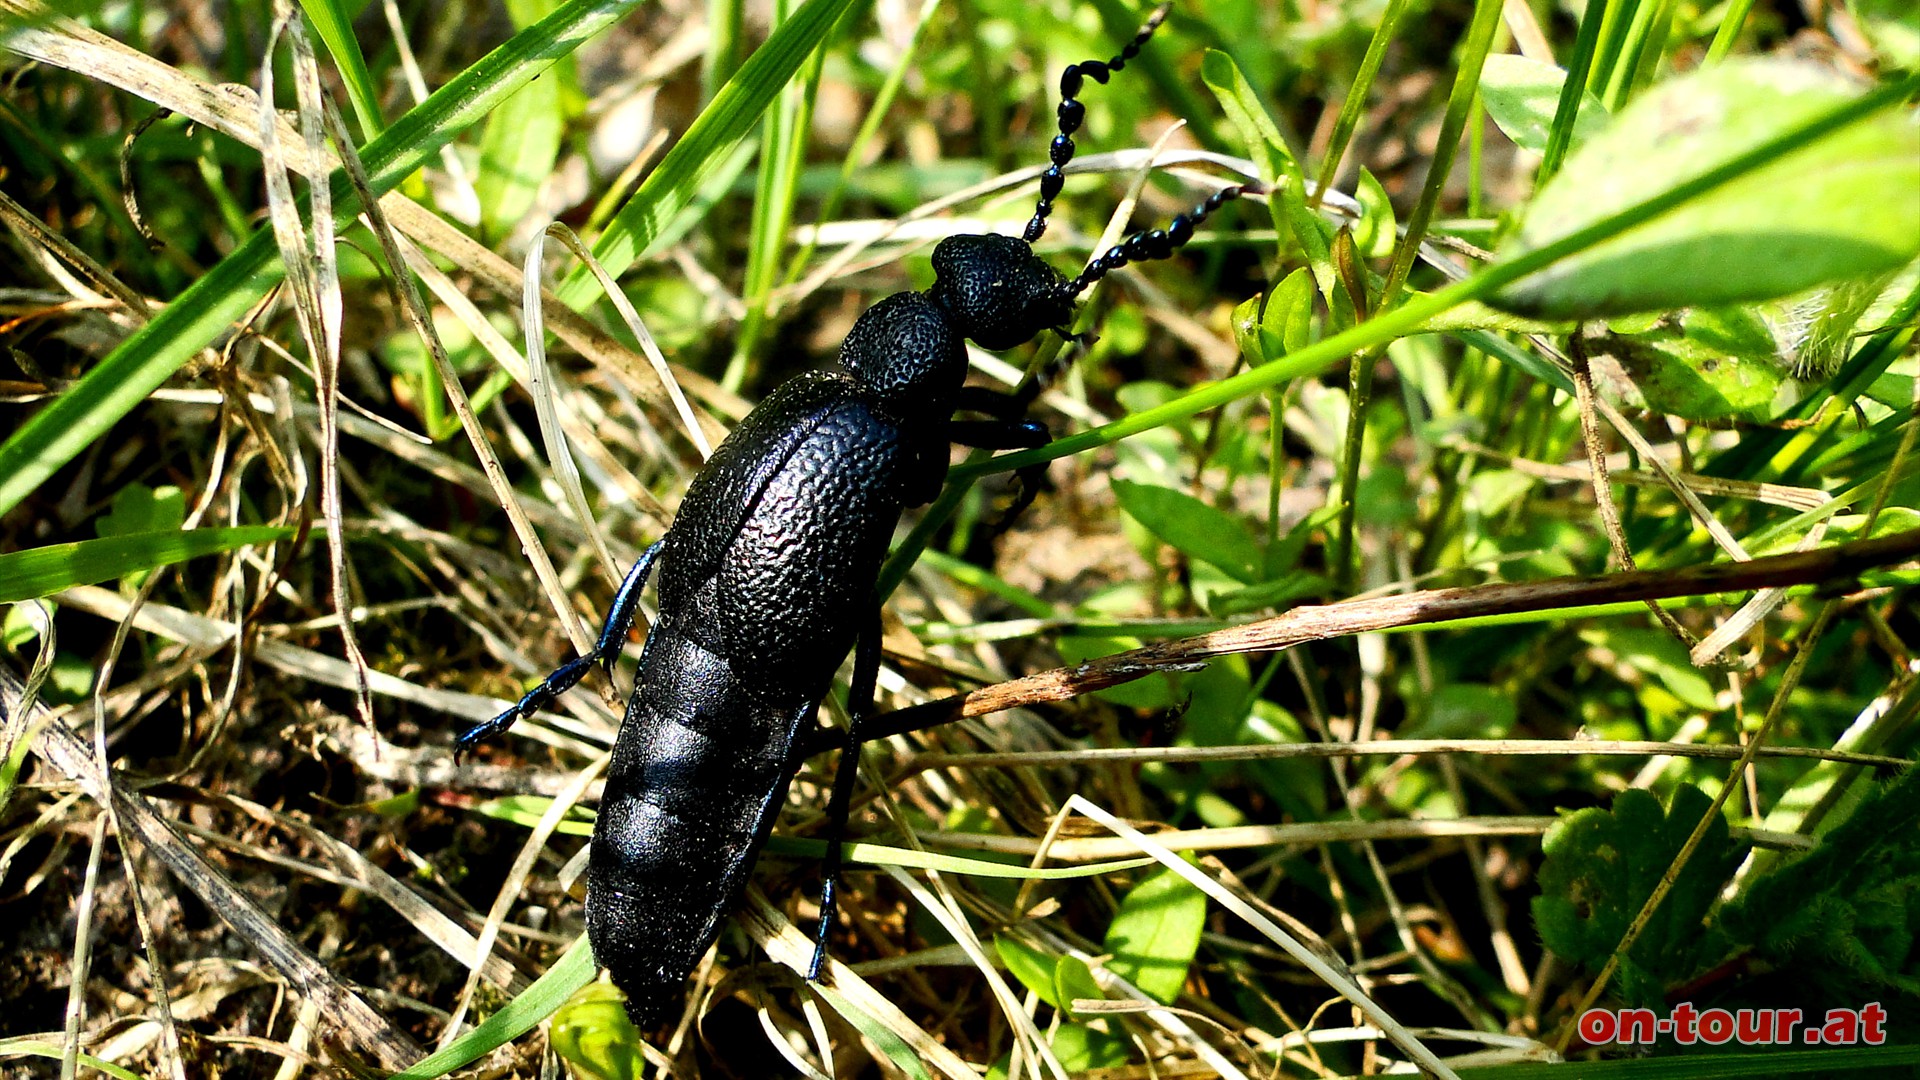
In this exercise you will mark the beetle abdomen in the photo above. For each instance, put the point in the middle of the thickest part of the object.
(698, 774)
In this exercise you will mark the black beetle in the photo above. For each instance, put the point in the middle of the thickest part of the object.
(767, 580)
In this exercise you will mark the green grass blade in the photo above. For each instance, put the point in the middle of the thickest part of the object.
(1572, 91)
(335, 28)
(122, 380)
(537, 1002)
(1356, 100)
(706, 146)
(43, 571)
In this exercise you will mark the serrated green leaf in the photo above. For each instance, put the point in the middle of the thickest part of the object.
(1601, 867)
(1845, 916)
(1155, 934)
(1522, 96)
(43, 571)
(1837, 207)
(1194, 528)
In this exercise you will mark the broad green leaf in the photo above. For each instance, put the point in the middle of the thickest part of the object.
(1073, 981)
(1081, 1049)
(1522, 95)
(1601, 867)
(1378, 230)
(1032, 967)
(596, 1037)
(706, 147)
(222, 296)
(1711, 364)
(1836, 207)
(1893, 26)
(1156, 933)
(1194, 528)
(1278, 322)
(521, 140)
(43, 571)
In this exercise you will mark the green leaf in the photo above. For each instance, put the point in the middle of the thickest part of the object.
(1270, 152)
(222, 296)
(1081, 1048)
(1846, 915)
(1156, 933)
(1712, 364)
(1522, 95)
(1601, 867)
(1194, 528)
(31, 1046)
(1836, 207)
(1277, 322)
(706, 147)
(1028, 964)
(596, 1037)
(893, 1046)
(43, 571)
(1073, 981)
(1378, 231)
(521, 140)
(138, 508)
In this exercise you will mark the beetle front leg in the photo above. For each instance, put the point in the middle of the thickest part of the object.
(613, 638)
(1008, 435)
(866, 672)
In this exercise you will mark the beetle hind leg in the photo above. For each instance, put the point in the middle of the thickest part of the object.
(613, 638)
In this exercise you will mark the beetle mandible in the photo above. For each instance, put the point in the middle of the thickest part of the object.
(767, 580)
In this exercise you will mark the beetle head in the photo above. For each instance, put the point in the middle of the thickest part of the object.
(997, 291)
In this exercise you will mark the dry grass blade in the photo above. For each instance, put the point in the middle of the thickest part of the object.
(202, 632)
(1305, 956)
(361, 1024)
(784, 942)
(313, 279)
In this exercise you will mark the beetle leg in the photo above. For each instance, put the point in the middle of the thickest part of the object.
(866, 671)
(626, 603)
(613, 637)
(1008, 435)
